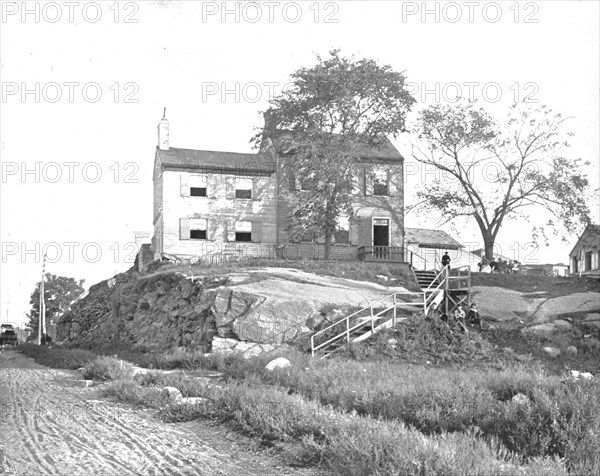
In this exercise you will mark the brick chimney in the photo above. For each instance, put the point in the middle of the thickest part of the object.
(163, 132)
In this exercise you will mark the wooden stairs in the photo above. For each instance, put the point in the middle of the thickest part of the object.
(443, 290)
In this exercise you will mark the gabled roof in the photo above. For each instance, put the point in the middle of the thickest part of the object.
(589, 239)
(210, 160)
(431, 238)
(384, 151)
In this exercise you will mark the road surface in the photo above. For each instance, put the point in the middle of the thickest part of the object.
(50, 427)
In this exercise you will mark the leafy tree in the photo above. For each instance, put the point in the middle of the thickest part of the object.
(59, 293)
(492, 172)
(326, 119)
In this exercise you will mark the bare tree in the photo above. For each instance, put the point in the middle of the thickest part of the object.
(491, 172)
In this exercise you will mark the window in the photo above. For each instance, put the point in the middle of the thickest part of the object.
(243, 189)
(243, 231)
(198, 191)
(198, 228)
(342, 231)
(197, 185)
(380, 183)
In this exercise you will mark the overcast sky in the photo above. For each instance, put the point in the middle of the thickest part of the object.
(84, 85)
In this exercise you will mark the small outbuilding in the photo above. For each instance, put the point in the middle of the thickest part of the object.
(584, 258)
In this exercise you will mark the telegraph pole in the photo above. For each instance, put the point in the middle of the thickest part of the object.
(42, 312)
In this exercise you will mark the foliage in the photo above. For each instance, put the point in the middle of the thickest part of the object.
(340, 442)
(108, 368)
(59, 293)
(326, 119)
(57, 357)
(492, 172)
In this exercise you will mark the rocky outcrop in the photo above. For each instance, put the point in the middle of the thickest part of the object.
(246, 312)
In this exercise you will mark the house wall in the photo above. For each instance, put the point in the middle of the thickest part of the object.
(366, 207)
(270, 213)
(578, 263)
(221, 210)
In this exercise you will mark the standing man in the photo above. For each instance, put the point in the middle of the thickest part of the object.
(446, 260)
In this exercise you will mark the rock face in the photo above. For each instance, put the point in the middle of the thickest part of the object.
(228, 313)
(576, 302)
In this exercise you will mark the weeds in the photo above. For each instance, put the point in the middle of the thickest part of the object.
(56, 357)
(108, 368)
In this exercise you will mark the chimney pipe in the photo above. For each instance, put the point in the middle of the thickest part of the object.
(163, 132)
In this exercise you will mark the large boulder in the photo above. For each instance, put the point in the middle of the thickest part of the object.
(577, 302)
(278, 363)
(548, 329)
(591, 321)
(514, 305)
(274, 322)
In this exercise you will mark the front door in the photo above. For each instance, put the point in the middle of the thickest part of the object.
(381, 237)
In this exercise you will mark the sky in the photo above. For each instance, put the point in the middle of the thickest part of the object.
(84, 85)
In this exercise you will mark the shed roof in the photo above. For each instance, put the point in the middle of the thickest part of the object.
(431, 238)
(216, 160)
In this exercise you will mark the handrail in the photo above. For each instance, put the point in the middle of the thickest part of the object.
(353, 314)
(425, 260)
(346, 319)
(351, 329)
(430, 294)
(442, 271)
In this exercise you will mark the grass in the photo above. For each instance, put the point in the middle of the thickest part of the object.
(108, 368)
(58, 357)
(382, 415)
(356, 270)
(340, 442)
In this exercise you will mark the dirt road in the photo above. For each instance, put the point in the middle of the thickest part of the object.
(50, 427)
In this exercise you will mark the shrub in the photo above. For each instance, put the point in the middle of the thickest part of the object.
(57, 357)
(108, 368)
(130, 392)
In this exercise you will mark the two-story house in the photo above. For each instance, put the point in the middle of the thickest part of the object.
(215, 204)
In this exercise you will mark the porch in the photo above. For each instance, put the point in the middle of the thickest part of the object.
(381, 254)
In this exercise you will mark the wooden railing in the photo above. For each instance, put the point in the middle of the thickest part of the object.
(344, 330)
(381, 253)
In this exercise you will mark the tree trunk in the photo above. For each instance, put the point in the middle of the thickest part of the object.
(328, 243)
(488, 243)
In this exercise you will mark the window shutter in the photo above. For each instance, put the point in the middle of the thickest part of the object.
(230, 229)
(292, 180)
(255, 187)
(229, 187)
(354, 183)
(184, 185)
(211, 184)
(368, 183)
(256, 232)
(365, 231)
(353, 233)
(184, 228)
(391, 184)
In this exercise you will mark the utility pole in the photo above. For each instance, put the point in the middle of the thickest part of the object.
(42, 311)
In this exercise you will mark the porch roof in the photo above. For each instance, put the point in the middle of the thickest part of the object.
(427, 238)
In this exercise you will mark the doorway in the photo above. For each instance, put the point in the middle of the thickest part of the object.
(381, 237)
